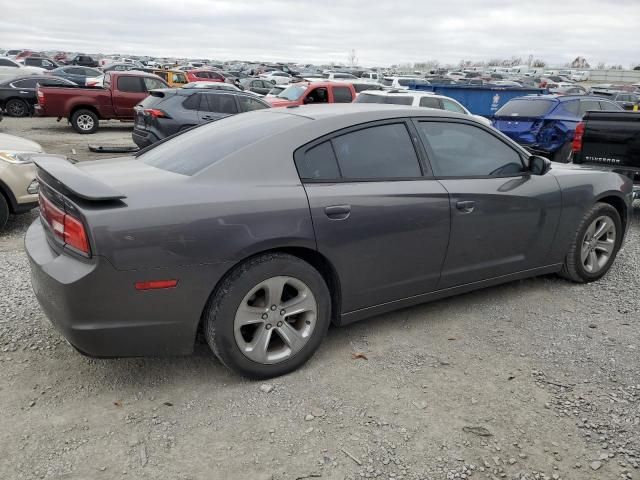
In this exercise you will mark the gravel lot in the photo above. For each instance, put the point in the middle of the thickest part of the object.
(532, 380)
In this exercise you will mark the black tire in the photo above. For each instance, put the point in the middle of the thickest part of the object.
(4, 211)
(17, 108)
(573, 268)
(85, 121)
(221, 310)
(563, 155)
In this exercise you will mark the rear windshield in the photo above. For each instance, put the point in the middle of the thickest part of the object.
(389, 99)
(197, 149)
(525, 108)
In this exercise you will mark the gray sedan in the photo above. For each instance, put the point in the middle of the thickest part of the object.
(261, 229)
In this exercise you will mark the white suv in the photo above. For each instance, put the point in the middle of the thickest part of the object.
(404, 83)
(417, 99)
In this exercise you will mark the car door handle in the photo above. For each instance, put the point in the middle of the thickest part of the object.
(338, 212)
(466, 207)
(207, 117)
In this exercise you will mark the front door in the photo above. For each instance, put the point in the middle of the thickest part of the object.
(379, 220)
(503, 218)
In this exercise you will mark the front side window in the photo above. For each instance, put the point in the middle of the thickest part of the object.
(317, 95)
(130, 84)
(460, 150)
(342, 95)
(5, 62)
(380, 152)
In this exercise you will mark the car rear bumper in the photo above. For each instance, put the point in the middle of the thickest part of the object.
(98, 310)
(144, 138)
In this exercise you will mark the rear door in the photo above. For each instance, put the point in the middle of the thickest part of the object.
(503, 219)
(214, 106)
(381, 221)
(127, 93)
(341, 95)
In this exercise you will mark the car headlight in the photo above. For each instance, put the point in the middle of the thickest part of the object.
(16, 157)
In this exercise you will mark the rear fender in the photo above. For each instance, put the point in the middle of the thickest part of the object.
(553, 135)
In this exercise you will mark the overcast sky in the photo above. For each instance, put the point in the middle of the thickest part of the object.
(382, 32)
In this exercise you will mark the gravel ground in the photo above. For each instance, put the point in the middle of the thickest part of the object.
(537, 379)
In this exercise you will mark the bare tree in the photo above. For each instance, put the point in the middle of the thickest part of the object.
(352, 58)
(537, 63)
(601, 66)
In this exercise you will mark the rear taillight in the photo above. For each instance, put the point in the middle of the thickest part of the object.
(40, 98)
(64, 226)
(576, 145)
(155, 113)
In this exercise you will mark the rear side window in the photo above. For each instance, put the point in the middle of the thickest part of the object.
(389, 99)
(452, 106)
(74, 71)
(572, 107)
(201, 147)
(526, 108)
(248, 104)
(430, 102)
(130, 84)
(611, 107)
(6, 63)
(221, 104)
(26, 83)
(588, 106)
(380, 152)
(318, 163)
(460, 150)
(193, 102)
(342, 95)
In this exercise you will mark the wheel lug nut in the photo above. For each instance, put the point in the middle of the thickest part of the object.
(273, 307)
(268, 326)
(282, 312)
(279, 324)
(265, 316)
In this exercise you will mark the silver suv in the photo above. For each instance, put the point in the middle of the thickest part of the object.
(18, 184)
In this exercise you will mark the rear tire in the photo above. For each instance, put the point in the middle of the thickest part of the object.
(17, 108)
(85, 121)
(4, 211)
(563, 155)
(240, 316)
(594, 246)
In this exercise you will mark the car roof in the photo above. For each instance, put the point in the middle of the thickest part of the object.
(365, 111)
(413, 93)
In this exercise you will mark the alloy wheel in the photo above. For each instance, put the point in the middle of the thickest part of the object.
(16, 109)
(85, 122)
(598, 244)
(275, 320)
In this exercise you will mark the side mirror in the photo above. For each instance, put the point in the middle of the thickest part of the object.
(539, 165)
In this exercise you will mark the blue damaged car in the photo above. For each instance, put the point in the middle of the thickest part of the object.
(545, 124)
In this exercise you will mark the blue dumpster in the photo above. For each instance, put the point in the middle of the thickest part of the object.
(482, 100)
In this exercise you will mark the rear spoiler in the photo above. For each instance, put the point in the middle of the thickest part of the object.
(66, 176)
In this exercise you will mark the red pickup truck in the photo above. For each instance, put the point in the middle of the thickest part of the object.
(305, 93)
(85, 107)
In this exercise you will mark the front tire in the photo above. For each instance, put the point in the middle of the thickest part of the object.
(85, 121)
(594, 246)
(269, 316)
(4, 211)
